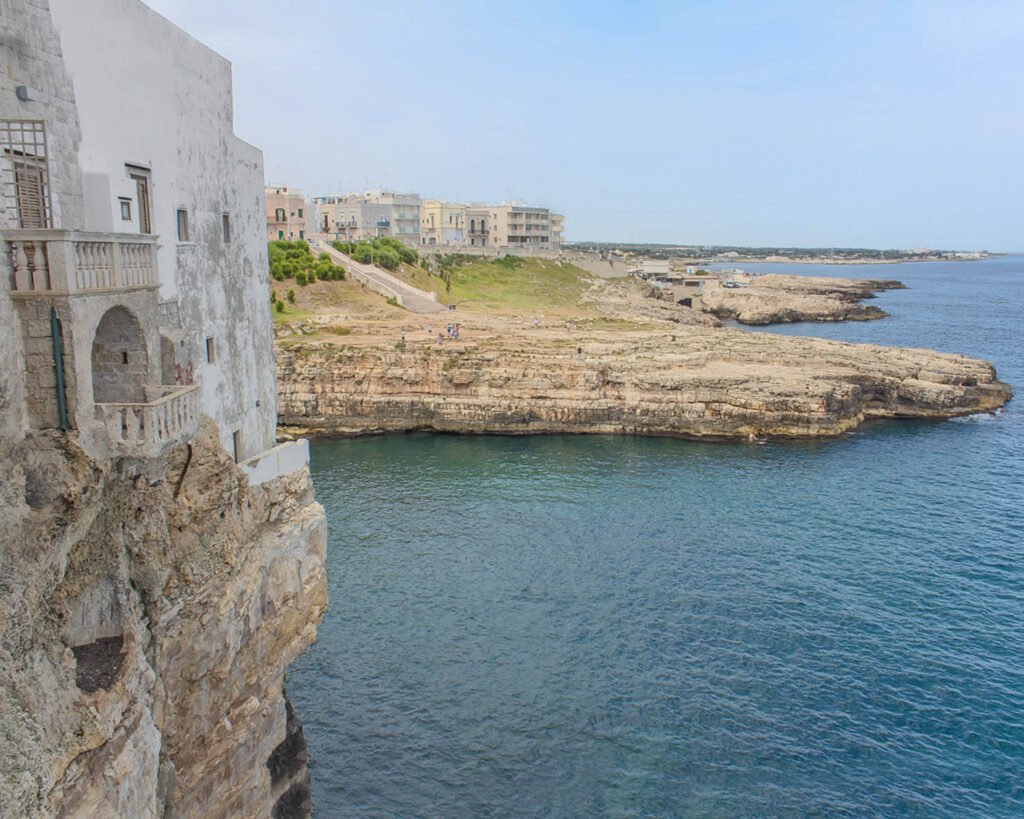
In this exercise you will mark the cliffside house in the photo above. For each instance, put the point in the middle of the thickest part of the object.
(134, 236)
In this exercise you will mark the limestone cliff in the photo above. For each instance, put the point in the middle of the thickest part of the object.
(696, 382)
(148, 610)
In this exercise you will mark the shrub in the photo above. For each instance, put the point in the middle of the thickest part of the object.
(387, 258)
(301, 279)
(338, 330)
(280, 307)
(288, 259)
(509, 262)
(290, 296)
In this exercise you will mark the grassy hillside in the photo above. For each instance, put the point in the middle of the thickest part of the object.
(506, 284)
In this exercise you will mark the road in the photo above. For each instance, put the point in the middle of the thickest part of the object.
(418, 301)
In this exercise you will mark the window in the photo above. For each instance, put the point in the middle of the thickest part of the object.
(280, 234)
(302, 234)
(236, 442)
(210, 352)
(126, 208)
(141, 178)
(25, 179)
(182, 225)
(279, 215)
(225, 224)
(300, 213)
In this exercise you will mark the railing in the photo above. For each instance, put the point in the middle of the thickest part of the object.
(144, 430)
(283, 459)
(74, 261)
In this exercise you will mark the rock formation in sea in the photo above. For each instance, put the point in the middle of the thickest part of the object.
(695, 382)
(773, 299)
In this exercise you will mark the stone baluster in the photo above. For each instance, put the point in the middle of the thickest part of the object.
(40, 273)
(116, 276)
(22, 273)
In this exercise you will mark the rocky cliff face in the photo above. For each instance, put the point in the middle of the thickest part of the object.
(697, 382)
(148, 610)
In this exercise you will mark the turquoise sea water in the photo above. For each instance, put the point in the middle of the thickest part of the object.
(589, 626)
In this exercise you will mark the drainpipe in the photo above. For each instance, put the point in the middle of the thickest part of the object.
(58, 361)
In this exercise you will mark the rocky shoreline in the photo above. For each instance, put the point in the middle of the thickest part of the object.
(702, 383)
(775, 299)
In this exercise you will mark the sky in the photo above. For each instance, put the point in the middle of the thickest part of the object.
(866, 123)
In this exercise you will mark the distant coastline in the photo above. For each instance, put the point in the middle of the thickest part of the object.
(699, 255)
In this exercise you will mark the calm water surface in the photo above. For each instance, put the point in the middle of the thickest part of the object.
(584, 626)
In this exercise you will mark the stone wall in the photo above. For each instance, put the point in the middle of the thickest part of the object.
(30, 54)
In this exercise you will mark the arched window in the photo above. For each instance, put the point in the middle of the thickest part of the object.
(279, 215)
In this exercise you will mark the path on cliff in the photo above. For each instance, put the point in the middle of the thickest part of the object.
(418, 301)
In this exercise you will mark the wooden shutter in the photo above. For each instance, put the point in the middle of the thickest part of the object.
(142, 190)
(30, 186)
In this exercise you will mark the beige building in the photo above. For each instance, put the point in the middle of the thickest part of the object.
(478, 219)
(287, 213)
(514, 226)
(442, 223)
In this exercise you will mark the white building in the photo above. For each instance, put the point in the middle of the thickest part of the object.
(371, 214)
(134, 222)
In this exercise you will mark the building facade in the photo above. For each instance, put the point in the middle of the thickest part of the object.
(442, 223)
(514, 227)
(370, 215)
(135, 234)
(289, 215)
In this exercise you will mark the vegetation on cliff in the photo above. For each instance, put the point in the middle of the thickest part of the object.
(294, 260)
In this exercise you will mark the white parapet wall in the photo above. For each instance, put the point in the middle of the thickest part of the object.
(283, 459)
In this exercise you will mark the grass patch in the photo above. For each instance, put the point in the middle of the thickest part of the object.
(519, 284)
(338, 330)
(290, 314)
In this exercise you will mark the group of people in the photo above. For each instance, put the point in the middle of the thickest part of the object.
(452, 329)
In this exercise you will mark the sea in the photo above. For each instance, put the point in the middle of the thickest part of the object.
(587, 626)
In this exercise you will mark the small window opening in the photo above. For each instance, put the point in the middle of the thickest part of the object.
(225, 222)
(126, 209)
(236, 441)
(124, 357)
(182, 225)
(210, 352)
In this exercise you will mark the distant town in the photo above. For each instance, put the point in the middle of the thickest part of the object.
(412, 220)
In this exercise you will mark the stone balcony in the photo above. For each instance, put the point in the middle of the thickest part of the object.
(171, 415)
(67, 262)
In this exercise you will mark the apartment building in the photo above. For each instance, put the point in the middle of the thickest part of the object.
(442, 223)
(514, 226)
(288, 214)
(369, 215)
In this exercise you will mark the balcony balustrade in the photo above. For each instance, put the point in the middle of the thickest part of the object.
(145, 430)
(73, 261)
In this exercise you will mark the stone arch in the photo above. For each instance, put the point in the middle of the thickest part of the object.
(120, 361)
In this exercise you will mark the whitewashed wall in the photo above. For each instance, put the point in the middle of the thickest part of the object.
(150, 95)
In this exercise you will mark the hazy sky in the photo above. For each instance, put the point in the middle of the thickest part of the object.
(879, 123)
